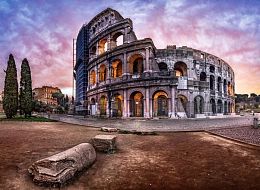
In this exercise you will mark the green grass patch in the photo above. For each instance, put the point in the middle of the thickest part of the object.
(29, 119)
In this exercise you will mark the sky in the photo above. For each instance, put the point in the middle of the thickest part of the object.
(42, 31)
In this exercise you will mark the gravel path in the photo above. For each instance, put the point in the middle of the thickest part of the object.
(159, 125)
(246, 134)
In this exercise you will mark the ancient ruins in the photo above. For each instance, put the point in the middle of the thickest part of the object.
(135, 79)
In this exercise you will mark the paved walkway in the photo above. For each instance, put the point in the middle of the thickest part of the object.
(159, 125)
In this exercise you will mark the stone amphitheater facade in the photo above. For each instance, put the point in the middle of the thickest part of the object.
(135, 79)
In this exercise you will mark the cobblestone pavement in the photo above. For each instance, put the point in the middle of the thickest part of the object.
(246, 134)
(160, 125)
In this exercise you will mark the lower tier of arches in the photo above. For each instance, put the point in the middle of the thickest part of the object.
(155, 102)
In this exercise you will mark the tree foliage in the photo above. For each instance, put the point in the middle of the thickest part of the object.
(26, 89)
(10, 101)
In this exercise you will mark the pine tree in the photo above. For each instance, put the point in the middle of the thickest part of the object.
(10, 101)
(26, 89)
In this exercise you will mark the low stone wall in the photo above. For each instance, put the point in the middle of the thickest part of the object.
(163, 125)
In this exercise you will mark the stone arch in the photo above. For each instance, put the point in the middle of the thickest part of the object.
(136, 104)
(203, 76)
(117, 105)
(213, 105)
(160, 103)
(219, 84)
(212, 69)
(118, 38)
(225, 107)
(117, 68)
(212, 82)
(229, 88)
(102, 73)
(103, 105)
(92, 101)
(102, 46)
(182, 104)
(219, 106)
(180, 69)
(225, 86)
(93, 106)
(136, 64)
(93, 50)
(92, 77)
(198, 105)
(163, 66)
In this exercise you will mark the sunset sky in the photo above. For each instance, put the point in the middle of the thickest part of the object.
(42, 31)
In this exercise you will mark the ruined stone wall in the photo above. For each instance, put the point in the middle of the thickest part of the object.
(135, 79)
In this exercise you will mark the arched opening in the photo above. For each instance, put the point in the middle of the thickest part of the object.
(180, 69)
(93, 106)
(92, 77)
(219, 84)
(212, 69)
(117, 68)
(136, 65)
(118, 39)
(103, 105)
(102, 46)
(198, 105)
(162, 66)
(225, 86)
(102, 73)
(136, 104)
(160, 103)
(229, 88)
(212, 82)
(117, 105)
(213, 106)
(93, 51)
(203, 76)
(232, 109)
(182, 104)
(220, 105)
(225, 107)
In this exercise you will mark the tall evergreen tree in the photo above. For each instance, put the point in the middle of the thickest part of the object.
(10, 101)
(26, 89)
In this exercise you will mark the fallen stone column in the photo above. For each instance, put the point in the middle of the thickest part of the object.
(61, 167)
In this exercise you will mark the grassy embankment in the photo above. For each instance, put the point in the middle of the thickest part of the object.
(22, 118)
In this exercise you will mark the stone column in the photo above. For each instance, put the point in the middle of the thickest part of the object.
(125, 112)
(89, 82)
(97, 79)
(147, 103)
(169, 107)
(125, 65)
(108, 79)
(151, 106)
(147, 55)
(173, 102)
(97, 49)
(125, 36)
(109, 43)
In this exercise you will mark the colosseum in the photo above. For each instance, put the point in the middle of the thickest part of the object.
(118, 75)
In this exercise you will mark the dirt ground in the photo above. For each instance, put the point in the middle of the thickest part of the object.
(165, 161)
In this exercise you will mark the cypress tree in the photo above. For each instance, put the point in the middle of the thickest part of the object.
(26, 89)
(10, 101)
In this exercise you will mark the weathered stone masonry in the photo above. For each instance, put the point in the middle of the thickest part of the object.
(135, 79)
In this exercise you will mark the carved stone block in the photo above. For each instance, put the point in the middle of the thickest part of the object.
(104, 143)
